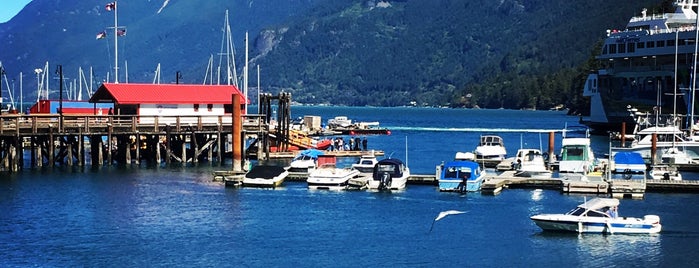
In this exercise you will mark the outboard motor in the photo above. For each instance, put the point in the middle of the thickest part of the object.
(462, 186)
(385, 183)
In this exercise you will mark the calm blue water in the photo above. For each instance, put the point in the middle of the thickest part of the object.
(137, 216)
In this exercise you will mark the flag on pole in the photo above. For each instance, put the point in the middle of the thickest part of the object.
(110, 6)
(101, 35)
(121, 32)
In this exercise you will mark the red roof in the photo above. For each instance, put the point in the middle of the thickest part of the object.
(129, 93)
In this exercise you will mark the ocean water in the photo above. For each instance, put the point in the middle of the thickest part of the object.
(177, 216)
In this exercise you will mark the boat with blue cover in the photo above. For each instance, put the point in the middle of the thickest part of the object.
(460, 176)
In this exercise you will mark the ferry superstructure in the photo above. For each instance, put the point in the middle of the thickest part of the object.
(639, 65)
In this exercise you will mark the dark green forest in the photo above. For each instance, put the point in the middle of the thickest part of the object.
(515, 54)
(487, 54)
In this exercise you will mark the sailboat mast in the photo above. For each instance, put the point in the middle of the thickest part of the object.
(245, 80)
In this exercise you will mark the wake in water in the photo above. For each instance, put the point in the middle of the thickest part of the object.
(490, 130)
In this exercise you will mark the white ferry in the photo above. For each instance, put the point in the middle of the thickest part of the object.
(639, 65)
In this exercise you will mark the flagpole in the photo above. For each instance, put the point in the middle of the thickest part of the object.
(116, 46)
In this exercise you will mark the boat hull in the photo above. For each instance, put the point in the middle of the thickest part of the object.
(396, 184)
(625, 225)
(330, 178)
(456, 185)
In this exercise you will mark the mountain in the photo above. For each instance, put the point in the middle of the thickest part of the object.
(485, 53)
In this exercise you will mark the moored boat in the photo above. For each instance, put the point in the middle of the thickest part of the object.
(460, 176)
(305, 161)
(664, 172)
(389, 174)
(366, 163)
(328, 176)
(576, 154)
(598, 215)
(530, 163)
(265, 176)
(490, 150)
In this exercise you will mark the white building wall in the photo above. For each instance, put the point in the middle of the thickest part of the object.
(167, 113)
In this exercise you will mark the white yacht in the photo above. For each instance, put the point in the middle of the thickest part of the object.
(490, 150)
(576, 153)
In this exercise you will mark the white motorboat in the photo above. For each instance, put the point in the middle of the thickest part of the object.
(598, 215)
(665, 172)
(328, 176)
(530, 163)
(460, 176)
(490, 150)
(265, 176)
(576, 153)
(366, 163)
(389, 174)
(305, 161)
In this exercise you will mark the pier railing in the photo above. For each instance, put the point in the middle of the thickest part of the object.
(42, 123)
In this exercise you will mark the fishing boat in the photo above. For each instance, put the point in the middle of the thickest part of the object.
(576, 154)
(328, 176)
(530, 163)
(389, 174)
(265, 176)
(490, 150)
(305, 161)
(638, 63)
(366, 163)
(598, 215)
(460, 176)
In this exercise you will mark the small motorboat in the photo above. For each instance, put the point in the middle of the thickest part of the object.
(665, 172)
(366, 163)
(389, 174)
(305, 161)
(328, 176)
(598, 215)
(265, 176)
(460, 176)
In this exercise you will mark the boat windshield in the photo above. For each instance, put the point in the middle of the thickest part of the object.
(457, 173)
(574, 152)
(578, 211)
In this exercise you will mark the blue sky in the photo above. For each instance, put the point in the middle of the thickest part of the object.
(9, 8)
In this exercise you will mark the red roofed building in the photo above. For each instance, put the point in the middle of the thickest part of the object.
(169, 100)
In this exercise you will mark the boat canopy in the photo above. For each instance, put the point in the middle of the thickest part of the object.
(599, 203)
(633, 161)
(461, 170)
(314, 153)
(391, 166)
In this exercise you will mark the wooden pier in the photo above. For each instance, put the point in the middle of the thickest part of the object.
(68, 140)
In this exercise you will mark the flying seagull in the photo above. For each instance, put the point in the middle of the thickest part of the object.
(444, 214)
